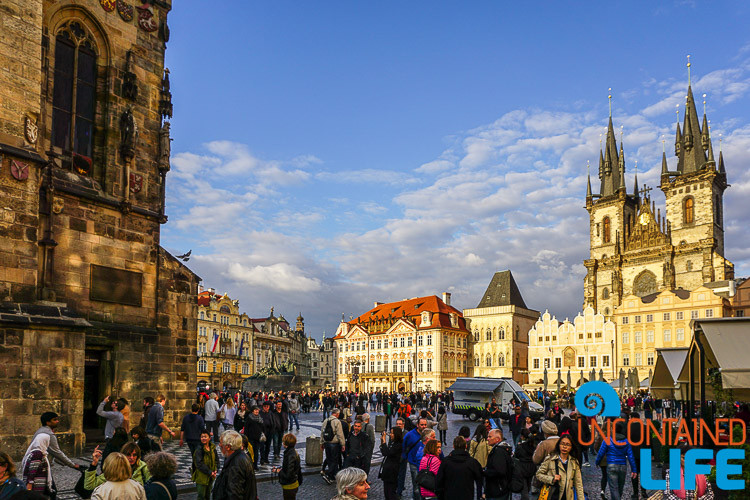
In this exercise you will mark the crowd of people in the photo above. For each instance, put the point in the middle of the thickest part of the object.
(230, 436)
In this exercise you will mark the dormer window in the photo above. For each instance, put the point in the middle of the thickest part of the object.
(426, 319)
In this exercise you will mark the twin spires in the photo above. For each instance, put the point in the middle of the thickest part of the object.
(612, 165)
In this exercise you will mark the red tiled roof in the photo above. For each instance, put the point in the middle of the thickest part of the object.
(412, 310)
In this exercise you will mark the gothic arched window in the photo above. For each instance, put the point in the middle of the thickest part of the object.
(476, 361)
(488, 334)
(605, 293)
(489, 360)
(74, 90)
(606, 236)
(688, 210)
(501, 360)
(501, 333)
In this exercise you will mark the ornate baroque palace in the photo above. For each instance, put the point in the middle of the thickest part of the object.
(90, 303)
(637, 250)
(414, 344)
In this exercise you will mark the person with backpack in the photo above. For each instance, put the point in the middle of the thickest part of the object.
(411, 446)
(429, 466)
(499, 469)
(334, 443)
(479, 448)
(562, 471)
(442, 424)
(458, 474)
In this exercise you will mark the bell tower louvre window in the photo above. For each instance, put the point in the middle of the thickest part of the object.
(607, 230)
(688, 210)
(74, 91)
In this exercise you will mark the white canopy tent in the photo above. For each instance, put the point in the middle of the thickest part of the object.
(669, 362)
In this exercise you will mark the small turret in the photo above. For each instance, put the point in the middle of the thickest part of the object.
(678, 141)
(705, 138)
(636, 195)
(688, 135)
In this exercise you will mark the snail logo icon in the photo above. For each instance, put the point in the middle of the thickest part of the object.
(597, 398)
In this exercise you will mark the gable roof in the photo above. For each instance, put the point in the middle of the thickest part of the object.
(502, 291)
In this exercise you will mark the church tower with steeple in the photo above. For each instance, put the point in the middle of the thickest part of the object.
(694, 192)
(634, 250)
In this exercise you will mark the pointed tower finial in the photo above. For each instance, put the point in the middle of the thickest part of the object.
(704, 104)
(588, 183)
(610, 101)
(635, 182)
(688, 67)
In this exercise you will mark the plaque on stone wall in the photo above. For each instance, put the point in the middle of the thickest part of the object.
(116, 285)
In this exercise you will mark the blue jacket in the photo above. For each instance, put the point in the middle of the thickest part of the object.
(412, 445)
(617, 453)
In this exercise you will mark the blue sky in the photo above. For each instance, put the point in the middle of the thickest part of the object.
(330, 154)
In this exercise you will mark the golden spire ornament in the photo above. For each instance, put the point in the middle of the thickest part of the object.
(688, 67)
(610, 101)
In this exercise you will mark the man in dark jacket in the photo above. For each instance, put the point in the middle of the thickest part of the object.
(268, 427)
(237, 478)
(497, 473)
(281, 424)
(458, 474)
(356, 447)
(516, 422)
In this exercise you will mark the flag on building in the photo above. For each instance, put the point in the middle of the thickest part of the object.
(242, 343)
(216, 342)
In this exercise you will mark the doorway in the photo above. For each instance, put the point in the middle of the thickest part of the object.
(401, 387)
(92, 389)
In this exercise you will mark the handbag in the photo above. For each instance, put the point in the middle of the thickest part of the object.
(548, 490)
(262, 438)
(426, 478)
(659, 495)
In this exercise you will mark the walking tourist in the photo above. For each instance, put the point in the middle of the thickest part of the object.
(459, 475)
(497, 473)
(357, 445)
(254, 432)
(37, 473)
(618, 453)
(479, 448)
(206, 465)
(239, 417)
(229, 411)
(293, 405)
(118, 485)
(155, 424)
(139, 437)
(563, 470)
(675, 489)
(442, 424)
(211, 416)
(268, 430)
(351, 484)
(412, 440)
(430, 462)
(191, 428)
(545, 448)
(281, 424)
(237, 478)
(391, 454)
(524, 469)
(161, 486)
(50, 421)
(369, 430)
(334, 443)
(290, 472)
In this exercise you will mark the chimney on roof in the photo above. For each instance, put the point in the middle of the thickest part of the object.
(212, 290)
(378, 303)
(447, 298)
(200, 288)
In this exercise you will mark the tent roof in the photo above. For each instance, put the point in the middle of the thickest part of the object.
(728, 342)
(666, 371)
(476, 384)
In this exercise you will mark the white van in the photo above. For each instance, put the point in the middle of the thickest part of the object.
(471, 394)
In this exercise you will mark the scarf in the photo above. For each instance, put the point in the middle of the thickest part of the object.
(700, 486)
(40, 443)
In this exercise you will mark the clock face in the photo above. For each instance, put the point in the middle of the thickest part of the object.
(643, 219)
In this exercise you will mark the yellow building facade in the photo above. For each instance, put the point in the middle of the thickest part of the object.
(645, 324)
(499, 326)
(225, 342)
(414, 344)
(588, 343)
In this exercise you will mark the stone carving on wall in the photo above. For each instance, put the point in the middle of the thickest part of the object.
(30, 129)
(129, 81)
(125, 10)
(669, 275)
(127, 135)
(164, 147)
(146, 19)
(644, 284)
(165, 96)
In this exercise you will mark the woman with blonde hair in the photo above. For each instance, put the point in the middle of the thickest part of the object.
(118, 486)
(229, 411)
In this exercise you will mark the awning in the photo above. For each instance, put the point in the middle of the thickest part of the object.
(669, 362)
(616, 383)
(726, 342)
(476, 384)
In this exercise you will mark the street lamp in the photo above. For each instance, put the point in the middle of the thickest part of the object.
(612, 361)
